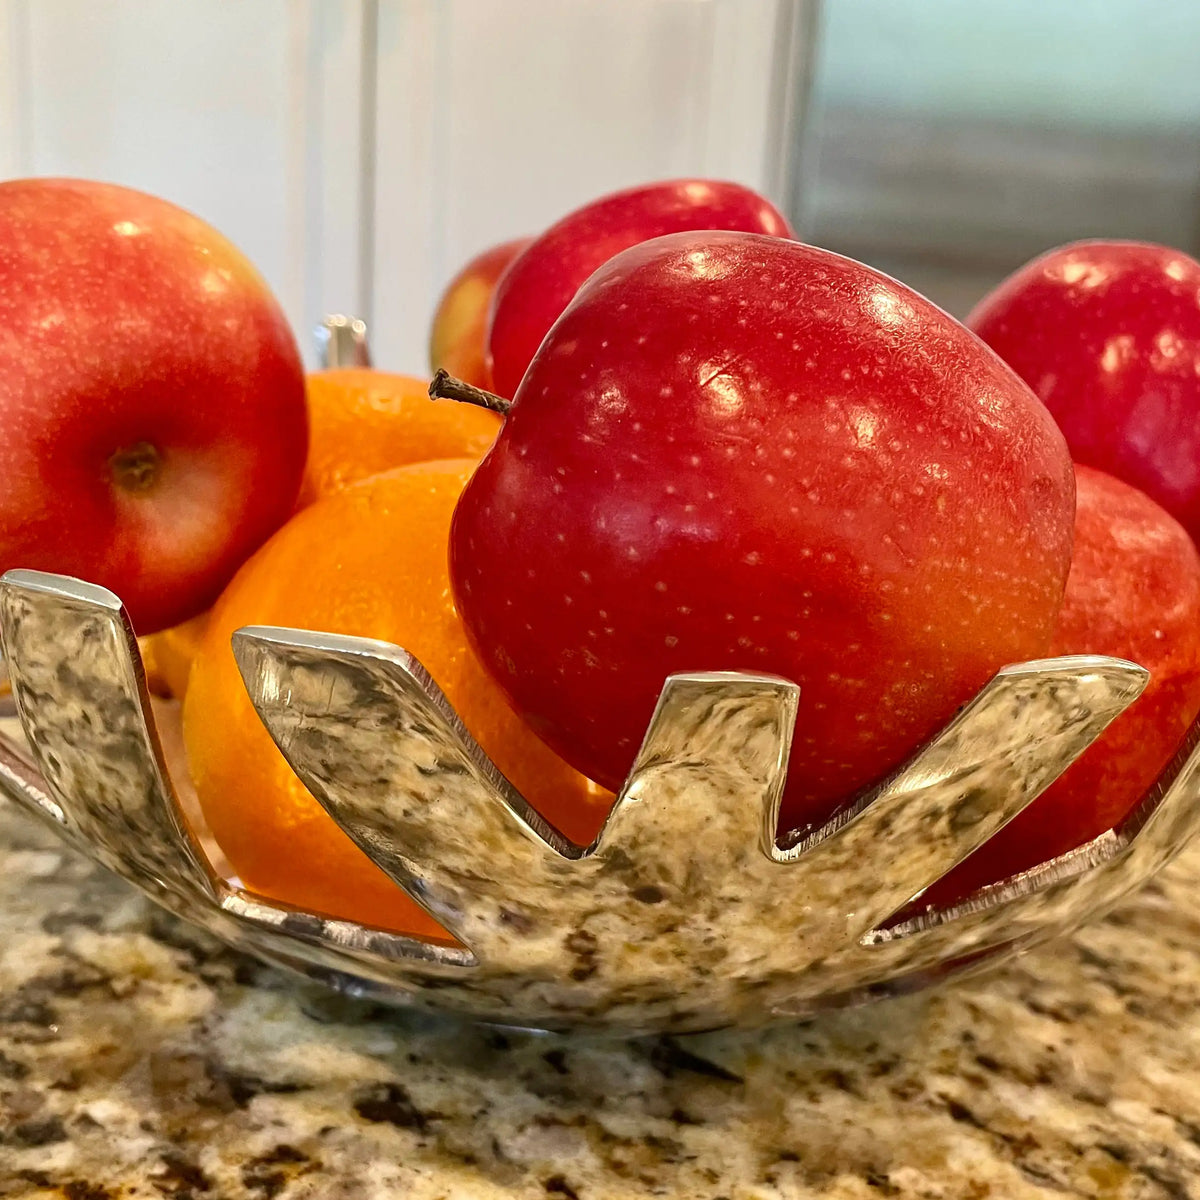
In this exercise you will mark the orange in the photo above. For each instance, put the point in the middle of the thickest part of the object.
(167, 656)
(362, 422)
(369, 561)
(156, 683)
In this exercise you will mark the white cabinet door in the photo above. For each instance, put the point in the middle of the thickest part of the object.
(495, 117)
(244, 111)
(360, 150)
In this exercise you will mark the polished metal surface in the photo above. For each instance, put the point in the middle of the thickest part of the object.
(685, 913)
(341, 341)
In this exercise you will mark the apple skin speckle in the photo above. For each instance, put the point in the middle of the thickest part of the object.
(897, 469)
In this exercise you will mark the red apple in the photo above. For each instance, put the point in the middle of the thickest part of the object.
(1133, 592)
(548, 273)
(1108, 335)
(153, 427)
(737, 452)
(458, 338)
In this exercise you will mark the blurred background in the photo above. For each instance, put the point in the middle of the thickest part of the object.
(361, 150)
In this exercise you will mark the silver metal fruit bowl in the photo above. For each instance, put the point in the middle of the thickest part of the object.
(684, 914)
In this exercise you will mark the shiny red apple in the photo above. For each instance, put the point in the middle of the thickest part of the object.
(738, 452)
(1108, 335)
(1134, 593)
(458, 337)
(548, 273)
(153, 428)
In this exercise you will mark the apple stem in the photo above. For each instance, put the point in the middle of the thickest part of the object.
(446, 387)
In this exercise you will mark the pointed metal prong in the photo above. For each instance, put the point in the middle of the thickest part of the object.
(375, 741)
(1059, 896)
(1140, 846)
(1045, 902)
(1153, 833)
(1001, 752)
(703, 795)
(81, 697)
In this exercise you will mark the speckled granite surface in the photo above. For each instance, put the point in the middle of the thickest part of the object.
(140, 1059)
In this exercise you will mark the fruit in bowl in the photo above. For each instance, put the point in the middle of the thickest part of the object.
(153, 429)
(737, 452)
(725, 450)
(361, 422)
(364, 421)
(369, 560)
(1107, 333)
(540, 282)
(1133, 593)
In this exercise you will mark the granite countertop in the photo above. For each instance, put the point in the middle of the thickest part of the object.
(139, 1058)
